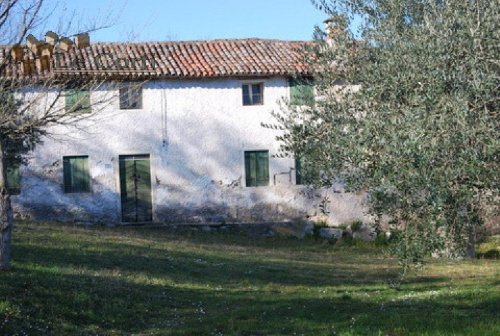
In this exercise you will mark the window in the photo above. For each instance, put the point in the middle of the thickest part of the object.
(301, 91)
(253, 94)
(13, 179)
(78, 101)
(257, 168)
(76, 174)
(304, 173)
(131, 97)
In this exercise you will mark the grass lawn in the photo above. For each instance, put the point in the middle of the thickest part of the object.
(68, 280)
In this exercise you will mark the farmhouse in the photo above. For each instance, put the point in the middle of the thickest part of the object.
(180, 139)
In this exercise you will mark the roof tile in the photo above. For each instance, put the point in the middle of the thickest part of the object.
(188, 59)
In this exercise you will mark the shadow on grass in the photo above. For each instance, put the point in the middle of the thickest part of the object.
(206, 268)
(49, 302)
(88, 282)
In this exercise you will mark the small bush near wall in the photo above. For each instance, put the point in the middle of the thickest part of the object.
(317, 227)
(356, 225)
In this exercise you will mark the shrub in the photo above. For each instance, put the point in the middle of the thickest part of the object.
(356, 225)
(318, 226)
(381, 239)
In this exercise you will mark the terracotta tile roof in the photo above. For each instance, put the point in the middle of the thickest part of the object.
(190, 59)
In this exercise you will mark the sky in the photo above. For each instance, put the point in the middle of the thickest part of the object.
(159, 20)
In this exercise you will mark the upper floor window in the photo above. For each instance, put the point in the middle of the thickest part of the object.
(76, 174)
(131, 97)
(78, 101)
(301, 91)
(253, 94)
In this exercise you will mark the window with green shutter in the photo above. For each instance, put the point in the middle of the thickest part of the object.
(131, 97)
(76, 174)
(13, 179)
(257, 168)
(78, 101)
(301, 91)
(303, 172)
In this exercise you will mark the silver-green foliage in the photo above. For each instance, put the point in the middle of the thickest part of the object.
(410, 113)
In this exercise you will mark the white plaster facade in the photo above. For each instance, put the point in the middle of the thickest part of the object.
(196, 133)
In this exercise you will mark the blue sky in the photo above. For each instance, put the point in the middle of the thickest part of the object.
(156, 20)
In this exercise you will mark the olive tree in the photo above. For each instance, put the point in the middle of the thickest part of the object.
(408, 113)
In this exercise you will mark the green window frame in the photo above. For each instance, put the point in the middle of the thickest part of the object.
(13, 182)
(257, 168)
(252, 94)
(303, 173)
(78, 101)
(76, 174)
(301, 91)
(131, 97)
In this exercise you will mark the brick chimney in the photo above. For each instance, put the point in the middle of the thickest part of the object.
(47, 49)
(65, 44)
(27, 66)
(43, 51)
(82, 40)
(42, 63)
(33, 44)
(334, 26)
(17, 53)
(51, 38)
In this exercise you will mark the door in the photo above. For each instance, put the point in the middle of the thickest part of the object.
(135, 188)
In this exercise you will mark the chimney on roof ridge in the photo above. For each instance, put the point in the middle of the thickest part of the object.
(47, 49)
(17, 53)
(65, 44)
(27, 66)
(33, 44)
(82, 40)
(31, 40)
(42, 63)
(334, 27)
(51, 38)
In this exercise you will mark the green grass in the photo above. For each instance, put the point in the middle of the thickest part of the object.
(68, 280)
(490, 248)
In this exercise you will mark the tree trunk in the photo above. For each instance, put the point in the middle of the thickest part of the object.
(475, 221)
(471, 241)
(471, 249)
(5, 214)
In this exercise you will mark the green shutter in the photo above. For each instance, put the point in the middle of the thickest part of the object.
(301, 92)
(262, 163)
(67, 175)
(250, 169)
(81, 174)
(143, 190)
(257, 168)
(128, 197)
(13, 179)
(78, 101)
(76, 174)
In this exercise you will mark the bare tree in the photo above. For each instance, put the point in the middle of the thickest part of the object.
(32, 95)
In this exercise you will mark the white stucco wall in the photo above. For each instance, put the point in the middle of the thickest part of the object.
(196, 132)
